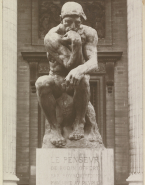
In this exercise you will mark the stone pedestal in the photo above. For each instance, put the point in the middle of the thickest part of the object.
(74, 167)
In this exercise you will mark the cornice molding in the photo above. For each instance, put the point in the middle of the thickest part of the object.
(36, 56)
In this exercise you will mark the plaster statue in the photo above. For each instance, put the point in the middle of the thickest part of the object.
(64, 94)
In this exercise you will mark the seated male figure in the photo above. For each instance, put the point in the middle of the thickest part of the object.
(72, 53)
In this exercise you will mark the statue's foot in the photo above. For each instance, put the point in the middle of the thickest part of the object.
(95, 136)
(57, 140)
(77, 133)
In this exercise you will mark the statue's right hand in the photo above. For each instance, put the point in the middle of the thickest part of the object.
(72, 37)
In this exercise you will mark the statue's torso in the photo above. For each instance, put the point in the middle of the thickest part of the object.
(56, 67)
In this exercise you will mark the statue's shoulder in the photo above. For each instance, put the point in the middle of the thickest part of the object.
(52, 36)
(54, 32)
(89, 31)
(49, 34)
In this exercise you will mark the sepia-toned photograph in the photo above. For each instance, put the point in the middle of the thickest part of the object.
(72, 92)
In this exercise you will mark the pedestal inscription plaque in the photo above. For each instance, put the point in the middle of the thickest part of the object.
(74, 167)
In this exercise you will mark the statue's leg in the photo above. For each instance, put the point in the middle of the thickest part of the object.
(47, 93)
(81, 99)
(94, 134)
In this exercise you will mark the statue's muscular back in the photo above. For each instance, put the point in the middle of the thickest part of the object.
(60, 47)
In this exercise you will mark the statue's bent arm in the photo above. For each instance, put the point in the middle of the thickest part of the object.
(53, 47)
(70, 56)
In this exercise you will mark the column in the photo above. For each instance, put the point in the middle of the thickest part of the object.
(9, 91)
(1, 170)
(135, 92)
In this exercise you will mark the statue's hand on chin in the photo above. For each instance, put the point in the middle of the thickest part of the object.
(72, 37)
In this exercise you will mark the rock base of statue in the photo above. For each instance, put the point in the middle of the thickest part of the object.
(65, 115)
(74, 166)
(82, 143)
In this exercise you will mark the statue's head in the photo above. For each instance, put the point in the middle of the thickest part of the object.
(72, 15)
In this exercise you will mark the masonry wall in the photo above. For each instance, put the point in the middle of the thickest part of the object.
(27, 128)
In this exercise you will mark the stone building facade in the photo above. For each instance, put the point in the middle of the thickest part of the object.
(116, 88)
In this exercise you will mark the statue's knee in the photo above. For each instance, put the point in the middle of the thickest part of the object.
(44, 82)
(84, 81)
